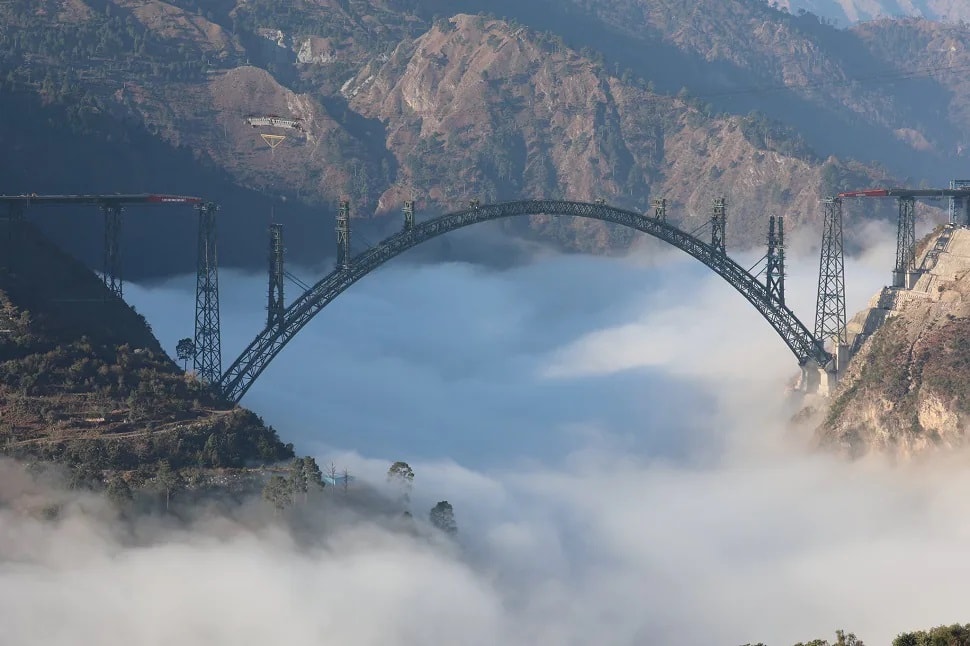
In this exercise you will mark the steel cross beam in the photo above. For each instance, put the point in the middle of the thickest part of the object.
(254, 359)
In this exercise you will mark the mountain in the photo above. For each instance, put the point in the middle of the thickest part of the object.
(905, 391)
(853, 11)
(83, 382)
(623, 100)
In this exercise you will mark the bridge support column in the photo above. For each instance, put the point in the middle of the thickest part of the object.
(13, 236)
(408, 215)
(719, 224)
(830, 306)
(905, 274)
(276, 305)
(343, 235)
(775, 270)
(112, 250)
(660, 209)
(208, 343)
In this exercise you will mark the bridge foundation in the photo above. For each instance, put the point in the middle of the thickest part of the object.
(208, 344)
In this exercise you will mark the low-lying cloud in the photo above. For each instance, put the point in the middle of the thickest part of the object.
(611, 435)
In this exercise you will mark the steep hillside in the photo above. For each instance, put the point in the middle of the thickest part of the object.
(503, 112)
(906, 391)
(583, 102)
(851, 11)
(85, 383)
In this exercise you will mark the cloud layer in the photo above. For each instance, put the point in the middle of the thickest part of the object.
(611, 435)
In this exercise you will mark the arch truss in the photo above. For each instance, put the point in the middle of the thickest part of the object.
(264, 348)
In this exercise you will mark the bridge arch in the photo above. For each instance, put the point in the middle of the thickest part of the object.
(250, 364)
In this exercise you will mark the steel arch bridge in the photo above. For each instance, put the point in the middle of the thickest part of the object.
(268, 343)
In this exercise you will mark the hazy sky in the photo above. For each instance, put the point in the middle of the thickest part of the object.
(611, 434)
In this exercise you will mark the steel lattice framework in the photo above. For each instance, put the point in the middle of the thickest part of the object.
(254, 359)
(112, 248)
(830, 307)
(276, 306)
(906, 236)
(208, 344)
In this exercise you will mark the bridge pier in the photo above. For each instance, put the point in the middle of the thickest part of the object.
(408, 215)
(830, 305)
(959, 206)
(719, 225)
(112, 250)
(905, 274)
(208, 345)
(343, 235)
(775, 269)
(276, 307)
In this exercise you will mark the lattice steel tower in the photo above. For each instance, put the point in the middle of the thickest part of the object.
(905, 241)
(208, 344)
(409, 215)
(112, 248)
(343, 235)
(276, 305)
(775, 270)
(830, 307)
(660, 209)
(719, 224)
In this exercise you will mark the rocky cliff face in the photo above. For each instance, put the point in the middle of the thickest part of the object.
(395, 105)
(907, 391)
(501, 112)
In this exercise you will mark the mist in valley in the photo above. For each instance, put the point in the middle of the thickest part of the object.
(613, 435)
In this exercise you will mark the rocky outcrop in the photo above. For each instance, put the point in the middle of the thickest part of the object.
(907, 390)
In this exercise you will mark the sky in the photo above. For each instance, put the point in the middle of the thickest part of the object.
(612, 434)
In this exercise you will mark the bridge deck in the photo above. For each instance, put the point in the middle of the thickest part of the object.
(908, 192)
(113, 199)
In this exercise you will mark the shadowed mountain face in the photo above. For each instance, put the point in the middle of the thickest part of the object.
(623, 101)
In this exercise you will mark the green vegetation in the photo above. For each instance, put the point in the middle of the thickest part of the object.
(955, 635)
(84, 383)
(442, 516)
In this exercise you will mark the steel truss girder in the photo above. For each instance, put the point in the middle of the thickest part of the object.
(254, 359)
(208, 344)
